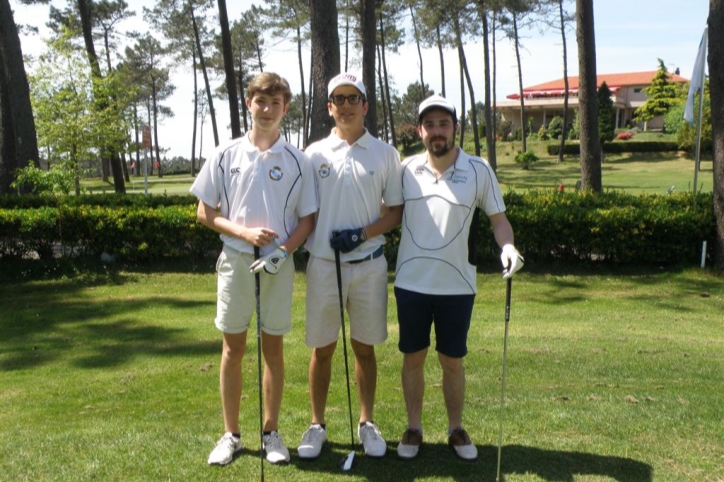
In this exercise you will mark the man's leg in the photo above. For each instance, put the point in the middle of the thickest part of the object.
(230, 378)
(413, 386)
(453, 388)
(365, 372)
(273, 349)
(320, 374)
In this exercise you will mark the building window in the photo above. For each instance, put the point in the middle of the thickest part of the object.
(638, 90)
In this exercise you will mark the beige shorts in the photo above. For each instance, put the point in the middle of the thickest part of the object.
(364, 295)
(236, 295)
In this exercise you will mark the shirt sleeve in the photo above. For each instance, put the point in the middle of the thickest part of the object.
(206, 186)
(392, 194)
(308, 203)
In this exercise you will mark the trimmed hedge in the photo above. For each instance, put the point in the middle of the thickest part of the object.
(617, 147)
(570, 226)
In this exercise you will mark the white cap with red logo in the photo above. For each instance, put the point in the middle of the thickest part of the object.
(346, 78)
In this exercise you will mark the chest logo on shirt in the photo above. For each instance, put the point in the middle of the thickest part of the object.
(419, 171)
(235, 171)
(275, 173)
(457, 178)
(324, 171)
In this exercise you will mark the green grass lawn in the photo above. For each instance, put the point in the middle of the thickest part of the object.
(637, 173)
(111, 374)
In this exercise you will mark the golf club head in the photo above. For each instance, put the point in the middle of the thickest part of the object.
(346, 463)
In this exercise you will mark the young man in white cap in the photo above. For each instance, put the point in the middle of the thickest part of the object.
(356, 173)
(435, 280)
(265, 190)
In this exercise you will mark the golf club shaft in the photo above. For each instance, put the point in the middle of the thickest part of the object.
(344, 343)
(508, 289)
(257, 289)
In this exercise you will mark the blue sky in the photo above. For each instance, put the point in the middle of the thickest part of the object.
(630, 37)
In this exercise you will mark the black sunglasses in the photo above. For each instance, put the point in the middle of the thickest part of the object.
(352, 99)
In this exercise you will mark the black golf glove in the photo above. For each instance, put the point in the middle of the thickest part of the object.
(347, 239)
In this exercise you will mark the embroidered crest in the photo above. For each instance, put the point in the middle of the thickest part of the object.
(275, 173)
(324, 171)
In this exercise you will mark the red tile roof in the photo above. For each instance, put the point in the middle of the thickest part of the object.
(614, 81)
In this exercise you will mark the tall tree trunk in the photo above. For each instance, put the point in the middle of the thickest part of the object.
(325, 62)
(716, 86)
(202, 62)
(155, 127)
(244, 110)
(369, 40)
(18, 138)
(495, 74)
(310, 101)
(463, 117)
(137, 170)
(442, 62)
(86, 21)
(228, 56)
(301, 82)
(564, 131)
(347, 10)
(587, 97)
(386, 84)
(380, 82)
(520, 83)
(464, 66)
(489, 125)
(196, 114)
(419, 51)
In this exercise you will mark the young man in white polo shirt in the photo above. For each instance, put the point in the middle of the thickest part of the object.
(435, 280)
(265, 190)
(355, 174)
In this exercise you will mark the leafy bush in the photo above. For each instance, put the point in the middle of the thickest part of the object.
(624, 136)
(549, 225)
(555, 127)
(543, 133)
(407, 136)
(525, 159)
(618, 147)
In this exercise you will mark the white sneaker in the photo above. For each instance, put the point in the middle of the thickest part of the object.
(312, 442)
(372, 440)
(274, 447)
(459, 440)
(225, 449)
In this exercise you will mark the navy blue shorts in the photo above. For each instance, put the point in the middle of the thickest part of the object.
(450, 314)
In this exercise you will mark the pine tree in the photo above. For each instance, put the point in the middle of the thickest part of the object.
(661, 96)
(605, 114)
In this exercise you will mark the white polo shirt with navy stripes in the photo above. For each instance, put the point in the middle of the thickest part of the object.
(433, 253)
(270, 189)
(352, 180)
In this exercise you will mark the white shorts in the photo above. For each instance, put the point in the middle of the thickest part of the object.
(236, 294)
(364, 295)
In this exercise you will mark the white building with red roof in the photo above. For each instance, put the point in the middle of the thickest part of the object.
(545, 101)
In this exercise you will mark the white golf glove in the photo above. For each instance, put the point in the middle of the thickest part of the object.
(511, 259)
(270, 263)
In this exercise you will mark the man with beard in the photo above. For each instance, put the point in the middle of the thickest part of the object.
(435, 280)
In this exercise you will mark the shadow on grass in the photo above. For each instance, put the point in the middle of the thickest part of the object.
(437, 460)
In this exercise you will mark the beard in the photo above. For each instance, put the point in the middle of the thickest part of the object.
(438, 149)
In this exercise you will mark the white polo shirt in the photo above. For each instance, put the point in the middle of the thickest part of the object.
(433, 253)
(352, 180)
(270, 189)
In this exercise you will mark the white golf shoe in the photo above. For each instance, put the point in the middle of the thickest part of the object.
(225, 449)
(312, 442)
(371, 438)
(276, 452)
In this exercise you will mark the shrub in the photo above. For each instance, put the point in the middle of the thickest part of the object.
(624, 136)
(525, 159)
(555, 127)
(407, 135)
(543, 133)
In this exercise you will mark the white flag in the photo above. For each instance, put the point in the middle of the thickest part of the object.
(697, 79)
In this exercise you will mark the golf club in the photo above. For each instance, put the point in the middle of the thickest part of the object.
(346, 462)
(502, 390)
(257, 290)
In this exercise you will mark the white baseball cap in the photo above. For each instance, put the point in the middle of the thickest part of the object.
(345, 78)
(436, 102)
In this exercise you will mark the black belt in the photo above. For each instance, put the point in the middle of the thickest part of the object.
(378, 252)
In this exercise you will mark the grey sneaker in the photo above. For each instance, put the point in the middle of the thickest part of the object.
(459, 440)
(225, 449)
(409, 446)
(274, 447)
(312, 442)
(372, 440)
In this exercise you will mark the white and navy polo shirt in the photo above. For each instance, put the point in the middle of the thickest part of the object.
(351, 182)
(270, 189)
(433, 253)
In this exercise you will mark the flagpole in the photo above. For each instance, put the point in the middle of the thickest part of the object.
(701, 111)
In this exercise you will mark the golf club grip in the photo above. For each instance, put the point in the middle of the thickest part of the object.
(257, 293)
